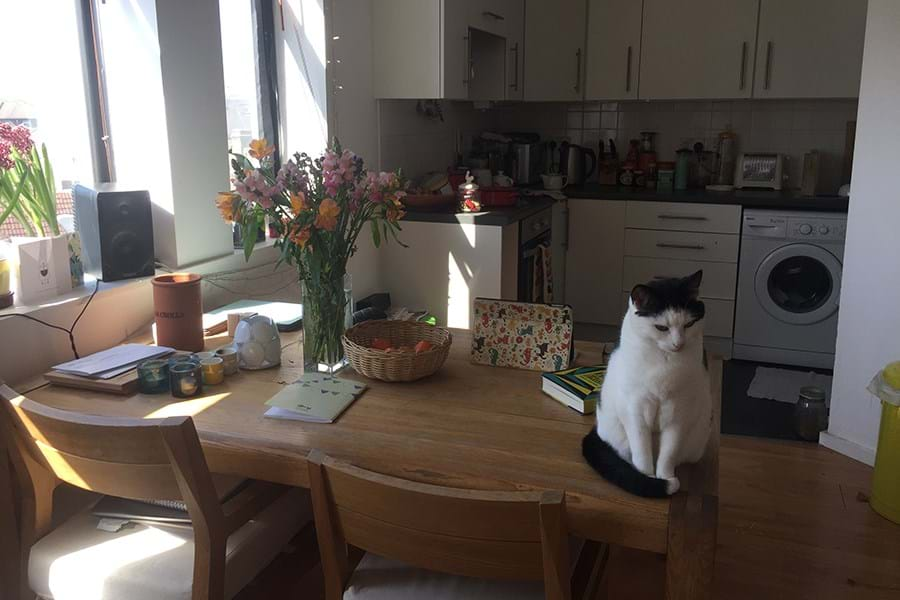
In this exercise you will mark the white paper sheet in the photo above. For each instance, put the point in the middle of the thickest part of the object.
(115, 361)
(784, 385)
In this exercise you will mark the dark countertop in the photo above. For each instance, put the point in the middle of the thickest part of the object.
(785, 199)
(527, 206)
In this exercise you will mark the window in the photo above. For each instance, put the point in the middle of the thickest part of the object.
(43, 86)
(240, 61)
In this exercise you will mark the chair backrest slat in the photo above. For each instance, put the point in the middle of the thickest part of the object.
(498, 535)
(506, 516)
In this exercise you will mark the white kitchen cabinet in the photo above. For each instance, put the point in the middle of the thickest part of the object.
(500, 51)
(613, 49)
(594, 260)
(809, 48)
(554, 50)
(450, 49)
(699, 48)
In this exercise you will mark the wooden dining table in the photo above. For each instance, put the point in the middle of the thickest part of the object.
(467, 426)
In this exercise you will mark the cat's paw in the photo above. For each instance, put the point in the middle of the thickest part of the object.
(672, 485)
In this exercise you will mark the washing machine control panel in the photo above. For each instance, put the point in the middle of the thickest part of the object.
(816, 228)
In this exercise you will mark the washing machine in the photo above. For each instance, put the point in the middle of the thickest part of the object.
(789, 286)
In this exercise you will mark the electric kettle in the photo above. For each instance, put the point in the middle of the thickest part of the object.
(573, 163)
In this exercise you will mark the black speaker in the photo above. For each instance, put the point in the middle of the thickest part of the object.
(116, 228)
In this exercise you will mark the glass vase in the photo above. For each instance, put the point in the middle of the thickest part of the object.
(327, 313)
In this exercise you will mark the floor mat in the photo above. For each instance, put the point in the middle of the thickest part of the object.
(784, 385)
(745, 415)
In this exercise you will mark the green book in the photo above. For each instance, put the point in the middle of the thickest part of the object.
(314, 398)
(577, 388)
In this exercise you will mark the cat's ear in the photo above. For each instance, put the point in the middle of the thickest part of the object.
(692, 284)
(641, 297)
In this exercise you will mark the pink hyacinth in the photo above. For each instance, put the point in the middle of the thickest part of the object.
(6, 161)
(19, 137)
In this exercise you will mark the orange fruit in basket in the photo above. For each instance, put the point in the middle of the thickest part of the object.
(424, 346)
(380, 344)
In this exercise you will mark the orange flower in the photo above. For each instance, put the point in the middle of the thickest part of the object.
(300, 236)
(259, 149)
(328, 214)
(227, 202)
(298, 202)
(394, 214)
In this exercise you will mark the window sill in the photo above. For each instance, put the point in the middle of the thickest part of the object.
(229, 262)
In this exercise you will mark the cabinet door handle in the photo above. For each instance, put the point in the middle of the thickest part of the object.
(743, 64)
(493, 15)
(768, 78)
(682, 217)
(681, 246)
(578, 70)
(628, 71)
(515, 84)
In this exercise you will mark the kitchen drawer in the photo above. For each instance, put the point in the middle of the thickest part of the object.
(684, 245)
(718, 320)
(719, 279)
(683, 216)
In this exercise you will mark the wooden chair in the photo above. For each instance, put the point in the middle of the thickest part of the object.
(151, 459)
(430, 541)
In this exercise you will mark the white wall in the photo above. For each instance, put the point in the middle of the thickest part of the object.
(869, 325)
(353, 113)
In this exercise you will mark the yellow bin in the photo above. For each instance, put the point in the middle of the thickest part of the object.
(885, 499)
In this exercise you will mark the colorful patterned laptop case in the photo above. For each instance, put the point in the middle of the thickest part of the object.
(523, 335)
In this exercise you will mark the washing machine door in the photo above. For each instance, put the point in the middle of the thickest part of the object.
(799, 284)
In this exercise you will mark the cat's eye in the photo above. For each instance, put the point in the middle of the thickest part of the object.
(690, 323)
(661, 327)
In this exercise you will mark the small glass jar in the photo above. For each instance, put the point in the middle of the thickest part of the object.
(213, 370)
(810, 413)
(185, 379)
(469, 195)
(229, 357)
(153, 376)
(183, 357)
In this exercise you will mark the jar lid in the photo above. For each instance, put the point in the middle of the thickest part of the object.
(812, 392)
(469, 185)
(665, 165)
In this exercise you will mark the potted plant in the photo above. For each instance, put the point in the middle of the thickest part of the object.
(317, 209)
(48, 260)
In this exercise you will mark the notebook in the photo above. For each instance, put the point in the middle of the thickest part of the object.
(314, 398)
(523, 335)
(577, 388)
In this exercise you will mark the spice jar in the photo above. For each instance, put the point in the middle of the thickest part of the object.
(810, 413)
(469, 195)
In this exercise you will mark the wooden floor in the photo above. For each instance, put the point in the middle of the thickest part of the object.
(794, 525)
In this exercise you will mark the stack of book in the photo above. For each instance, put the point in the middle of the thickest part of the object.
(577, 388)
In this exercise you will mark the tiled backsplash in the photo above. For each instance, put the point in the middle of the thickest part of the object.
(791, 127)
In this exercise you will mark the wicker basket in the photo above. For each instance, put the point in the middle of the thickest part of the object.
(396, 366)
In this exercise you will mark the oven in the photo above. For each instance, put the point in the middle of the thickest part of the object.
(535, 280)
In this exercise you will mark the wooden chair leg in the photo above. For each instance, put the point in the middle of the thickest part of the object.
(10, 548)
(691, 552)
(590, 571)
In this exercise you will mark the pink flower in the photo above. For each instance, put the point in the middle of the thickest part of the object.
(255, 188)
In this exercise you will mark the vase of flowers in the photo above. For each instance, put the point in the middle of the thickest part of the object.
(48, 260)
(316, 207)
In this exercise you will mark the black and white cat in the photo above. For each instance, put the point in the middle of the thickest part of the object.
(655, 405)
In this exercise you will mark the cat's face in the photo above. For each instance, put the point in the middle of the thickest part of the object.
(668, 312)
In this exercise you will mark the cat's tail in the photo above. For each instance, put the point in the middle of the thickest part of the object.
(618, 471)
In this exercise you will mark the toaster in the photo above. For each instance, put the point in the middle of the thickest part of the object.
(760, 170)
